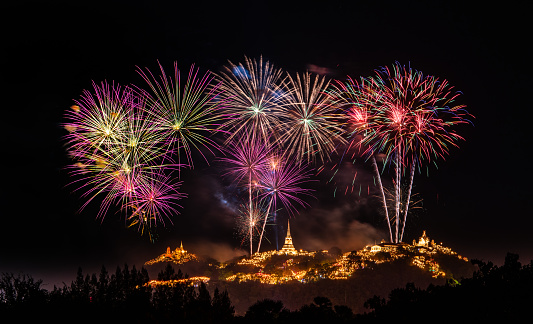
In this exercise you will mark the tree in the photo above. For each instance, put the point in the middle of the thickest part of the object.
(21, 296)
(223, 311)
(103, 286)
(264, 311)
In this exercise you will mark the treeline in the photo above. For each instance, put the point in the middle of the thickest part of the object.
(121, 296)
(492, 293)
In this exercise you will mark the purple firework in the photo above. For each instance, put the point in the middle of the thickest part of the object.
(282, 180)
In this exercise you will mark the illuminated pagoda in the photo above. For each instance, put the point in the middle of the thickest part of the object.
(288, 247)
(423, 253)
(424, 241)
(178, 256)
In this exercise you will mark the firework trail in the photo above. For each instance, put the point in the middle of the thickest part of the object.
(249, 221)
(310, 126)
(246, 157)
(412, 121)
(283, 181)
(251, 93)
(357, 100)
(409, 202)
(153, 200)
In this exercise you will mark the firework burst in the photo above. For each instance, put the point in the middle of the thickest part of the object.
(310, 126)
(185, 114)
(249, 221)
(407, 116)
(153, 199)
(97, 140)
(98, 120)
(118, 153)
(251, 93)
(282, 180)
(246, 157)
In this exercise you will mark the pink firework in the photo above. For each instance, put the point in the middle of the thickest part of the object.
(247, 156)
(282, 180)
(154, 200)
(118, 154)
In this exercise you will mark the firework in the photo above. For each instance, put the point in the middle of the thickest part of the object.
(251, 93)
(410, 118)
(249, 220)
(184, 113)
(283, 181)
(97, 140)
(118, 154)
(413, 123)
(247, 156)
(357, 100)
(153, 199)
(310, 125)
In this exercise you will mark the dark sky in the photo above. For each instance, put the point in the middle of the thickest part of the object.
(52, 51)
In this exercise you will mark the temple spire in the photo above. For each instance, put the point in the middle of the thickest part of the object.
(288, 248)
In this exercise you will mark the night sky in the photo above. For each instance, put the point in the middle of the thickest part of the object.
(477, 201)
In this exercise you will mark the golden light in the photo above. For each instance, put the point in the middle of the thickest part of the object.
(70, 128)
(80, 165)
(343, 267)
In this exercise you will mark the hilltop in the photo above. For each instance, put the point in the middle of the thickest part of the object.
(296, 276)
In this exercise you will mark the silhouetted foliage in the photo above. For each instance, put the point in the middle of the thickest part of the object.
(492, 294)
(21, 295)
(223, 311)
(264, 311)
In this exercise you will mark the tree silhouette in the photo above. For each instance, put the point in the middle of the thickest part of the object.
(264, 311)
(223, 311)
(492, 294)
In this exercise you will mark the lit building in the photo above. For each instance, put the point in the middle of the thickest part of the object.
(423, 240)
(288, 247)
(424, 251)
(178, 256)
(288, 267)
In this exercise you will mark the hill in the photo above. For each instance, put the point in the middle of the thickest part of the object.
(296, 277)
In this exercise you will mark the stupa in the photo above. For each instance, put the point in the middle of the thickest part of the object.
(288, 247)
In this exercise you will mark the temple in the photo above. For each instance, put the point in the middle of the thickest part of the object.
(178, 256)
(288, 247)
(424, 241)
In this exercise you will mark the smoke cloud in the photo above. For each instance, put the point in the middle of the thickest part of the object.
(320, 229)
(216, 250)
